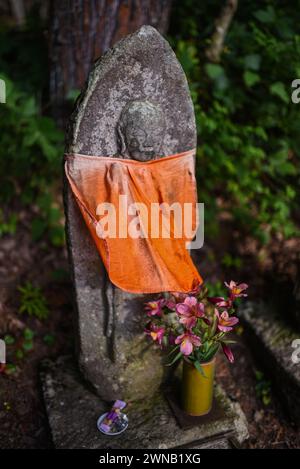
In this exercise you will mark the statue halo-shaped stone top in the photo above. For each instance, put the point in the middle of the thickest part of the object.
(140, 67)
(136, 105)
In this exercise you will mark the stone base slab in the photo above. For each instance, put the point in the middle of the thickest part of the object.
(73, 410)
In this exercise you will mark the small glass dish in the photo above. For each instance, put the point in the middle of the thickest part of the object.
(119, 426)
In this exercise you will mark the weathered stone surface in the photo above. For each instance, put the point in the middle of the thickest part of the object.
(271, 339)
(284, 292)
(73, 411)
(113, 355)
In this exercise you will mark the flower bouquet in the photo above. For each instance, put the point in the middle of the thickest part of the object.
(193, 327)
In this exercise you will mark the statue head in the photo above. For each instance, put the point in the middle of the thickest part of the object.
(141, 129)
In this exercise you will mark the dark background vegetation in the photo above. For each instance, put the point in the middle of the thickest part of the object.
(247, 171)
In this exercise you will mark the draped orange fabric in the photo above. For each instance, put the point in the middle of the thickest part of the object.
(121, 201)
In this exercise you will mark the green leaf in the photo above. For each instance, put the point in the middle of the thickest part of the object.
(57, 235)
(9, 339)
(212, 352)
(267, 399)
(251, 78)
(214, 71)
(27, 345)
(19, 354)
(252, 61)
(54, 214)
(28, 334)
(177, 357)
(290, 192)
(30, 139)
(173, 350)
(226, 342)
(278, 89)
(49, 339)
(214, 326)
(199, 368)
(265, 16)
(29, 107)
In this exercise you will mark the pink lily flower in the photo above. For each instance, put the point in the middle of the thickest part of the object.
(187, 342)
(220, 302)
(156, 333)
(236, 290)
(228, 353)
(225, 322)
(154, 308)
(190, 310)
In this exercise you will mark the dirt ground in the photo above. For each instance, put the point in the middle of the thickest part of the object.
(23, 421)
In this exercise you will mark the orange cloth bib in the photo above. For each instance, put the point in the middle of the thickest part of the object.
(139, 255)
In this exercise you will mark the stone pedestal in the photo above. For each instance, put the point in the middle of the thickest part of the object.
(73, 410)
(271, 339)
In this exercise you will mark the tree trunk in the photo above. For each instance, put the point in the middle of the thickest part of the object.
(82, 30)
(214, 51)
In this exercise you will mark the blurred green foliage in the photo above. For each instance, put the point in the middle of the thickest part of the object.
(248, 128)
(9, 225)
(263, 388)
(31, 146)
(18, 347)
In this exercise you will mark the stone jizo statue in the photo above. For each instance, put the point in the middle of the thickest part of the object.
(136, 105)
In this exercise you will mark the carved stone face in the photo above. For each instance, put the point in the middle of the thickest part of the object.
(141, 130)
